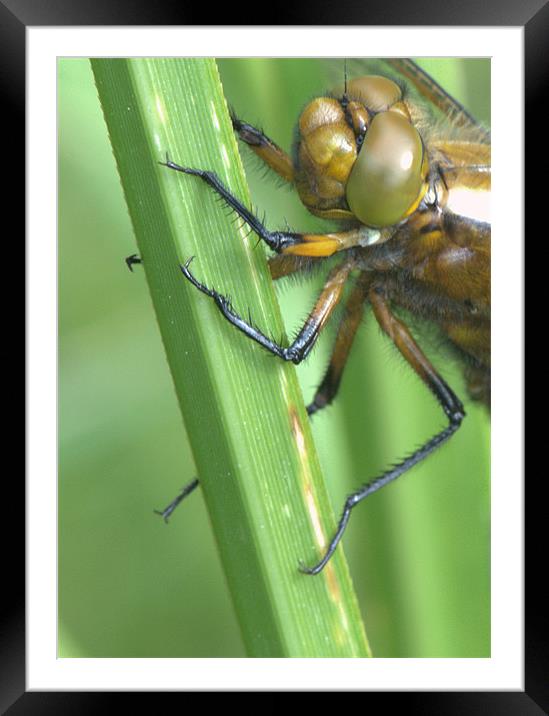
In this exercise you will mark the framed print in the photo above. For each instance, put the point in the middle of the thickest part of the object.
(131, 600)
(469, 633)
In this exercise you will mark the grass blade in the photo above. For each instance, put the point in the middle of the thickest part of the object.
(242, 409)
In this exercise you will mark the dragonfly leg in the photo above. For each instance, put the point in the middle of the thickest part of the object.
(167, 511)
(269, 152)
(315, 245)
(403, 340)
(307, 336)
(132, 261)
(283, 265)
(354, 311)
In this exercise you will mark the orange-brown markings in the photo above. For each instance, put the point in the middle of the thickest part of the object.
(284, 264)
(277, 159)
(324, 244)
(354, 311)
(327, 152)
(403, 339)
(330, 295)
(315, 245)
(472, 337)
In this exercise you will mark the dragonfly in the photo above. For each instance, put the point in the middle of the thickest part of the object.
(405, 170)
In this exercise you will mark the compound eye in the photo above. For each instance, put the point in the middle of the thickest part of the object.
(377, 93)
(387, 177)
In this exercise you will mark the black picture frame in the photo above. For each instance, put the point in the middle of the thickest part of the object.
(15, 16)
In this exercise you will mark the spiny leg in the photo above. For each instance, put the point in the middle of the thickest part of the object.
(287, 242)
(267, 150)
(451, 405)
(354, 310)
(167, 511)
(306, 338)
(275, 240)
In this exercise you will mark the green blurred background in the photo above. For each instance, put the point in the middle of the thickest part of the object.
(131, 586)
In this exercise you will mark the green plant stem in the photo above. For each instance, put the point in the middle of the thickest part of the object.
(243, 409)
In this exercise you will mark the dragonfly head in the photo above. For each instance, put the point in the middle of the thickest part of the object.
(359, 155)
